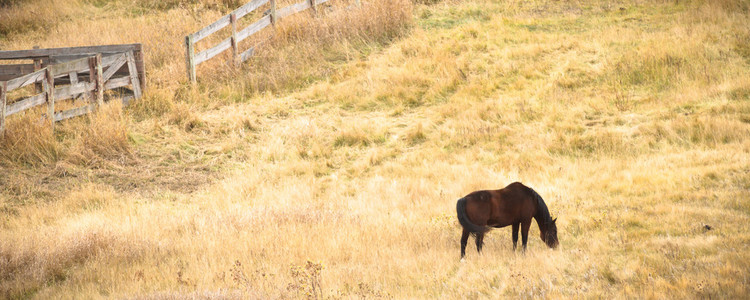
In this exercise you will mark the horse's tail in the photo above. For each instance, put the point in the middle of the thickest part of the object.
(463, 218)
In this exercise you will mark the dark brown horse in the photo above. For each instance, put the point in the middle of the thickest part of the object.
(513, 205)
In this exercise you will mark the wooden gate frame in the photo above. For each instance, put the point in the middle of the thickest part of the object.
(122, 69)
(51, 56)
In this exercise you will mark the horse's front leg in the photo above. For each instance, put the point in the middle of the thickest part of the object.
(525, 225)
(515, 235)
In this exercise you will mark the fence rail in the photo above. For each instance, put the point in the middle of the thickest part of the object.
(192, 59)
(63, 79)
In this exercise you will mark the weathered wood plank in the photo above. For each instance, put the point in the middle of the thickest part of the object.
(210, 29)
(25, 104)
(8, 77)
(44, 53)
(3, 106)
(292, 9)
(68, 92)
(92, 79)
(107, 58)
(25, 80)
(134, 75)
(235, 51)
(247, 54)
(73, 77)
(38, 65)
(140, 64)
(248, 8)
(95, 65)
(48, 84)
(114, 83)
(190, 58)
(65, 68)
(210, 53)
(225, 20)
(114, 67)
(273, 12)
(16, 70)
(70, 113)
(253, 28)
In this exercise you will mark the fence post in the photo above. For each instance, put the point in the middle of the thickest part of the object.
(139, 63)
(273, 13)
(235, 51)
(314, 8)
(133, 70)
(92, 78)
(190, 58)
(4, 103)
(95, 67)
(73, 75)
(37, 67)
(49, 90)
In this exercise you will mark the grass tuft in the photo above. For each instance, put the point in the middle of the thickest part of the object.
(29, 141)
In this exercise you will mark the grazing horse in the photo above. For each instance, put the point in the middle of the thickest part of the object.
(513, 205)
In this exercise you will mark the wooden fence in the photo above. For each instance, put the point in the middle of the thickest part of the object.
(270, 18)
(69, 73)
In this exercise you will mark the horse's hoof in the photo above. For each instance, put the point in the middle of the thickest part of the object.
(463, 260)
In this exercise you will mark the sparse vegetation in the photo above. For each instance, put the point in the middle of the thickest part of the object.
(329, 165)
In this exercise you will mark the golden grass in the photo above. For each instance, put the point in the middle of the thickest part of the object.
(629, 118)
(29, 140)
(306, 49)
(17, 18)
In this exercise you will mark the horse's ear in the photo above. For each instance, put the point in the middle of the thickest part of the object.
(555, 220)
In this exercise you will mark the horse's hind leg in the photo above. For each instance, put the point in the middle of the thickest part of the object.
(515, 235)
(525, 225)
(464, 240)
(480, 241)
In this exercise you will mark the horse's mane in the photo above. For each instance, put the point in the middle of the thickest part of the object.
(542, 211)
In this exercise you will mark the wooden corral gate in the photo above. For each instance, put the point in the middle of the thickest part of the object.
(68, 73)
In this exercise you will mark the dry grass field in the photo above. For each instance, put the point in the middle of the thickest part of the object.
(330, 164)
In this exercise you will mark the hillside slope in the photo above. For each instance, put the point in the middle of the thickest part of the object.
(630, 118)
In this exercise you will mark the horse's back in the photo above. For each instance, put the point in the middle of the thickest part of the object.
(515, 201)
(515, 193)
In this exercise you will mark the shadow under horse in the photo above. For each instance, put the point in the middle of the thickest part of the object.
(513, 205)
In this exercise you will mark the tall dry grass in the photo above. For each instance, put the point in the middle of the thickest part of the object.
(29, 140)
(304, 48)
(346, 187)
(17, 16)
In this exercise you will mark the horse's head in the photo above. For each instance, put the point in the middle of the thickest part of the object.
(548, 234)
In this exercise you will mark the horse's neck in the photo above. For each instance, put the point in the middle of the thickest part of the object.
(540, 220)
(542, 214)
